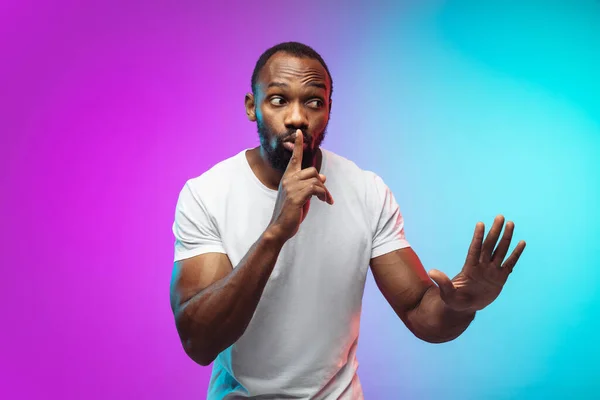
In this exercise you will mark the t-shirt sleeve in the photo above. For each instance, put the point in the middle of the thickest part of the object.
(388, 222)
(194, 228)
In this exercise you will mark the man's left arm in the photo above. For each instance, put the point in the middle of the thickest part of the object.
(440, 313)
(414, 297)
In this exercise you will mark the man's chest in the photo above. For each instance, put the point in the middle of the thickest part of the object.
(329, 235)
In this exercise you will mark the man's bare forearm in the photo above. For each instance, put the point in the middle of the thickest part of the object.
(432, 320)
(216, 317)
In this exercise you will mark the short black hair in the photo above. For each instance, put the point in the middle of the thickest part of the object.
(293, 48)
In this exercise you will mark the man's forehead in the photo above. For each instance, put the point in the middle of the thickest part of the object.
(286, 67)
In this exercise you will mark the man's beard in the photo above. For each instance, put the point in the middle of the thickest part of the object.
(279, 157)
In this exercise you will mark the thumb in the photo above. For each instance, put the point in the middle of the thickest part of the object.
(444, 283)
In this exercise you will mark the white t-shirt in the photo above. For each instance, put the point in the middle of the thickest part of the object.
(301, 342)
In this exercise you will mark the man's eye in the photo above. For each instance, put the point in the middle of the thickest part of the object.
(277, 101)
(315, 103)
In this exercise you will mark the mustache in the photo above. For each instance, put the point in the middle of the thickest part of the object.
(288, 136)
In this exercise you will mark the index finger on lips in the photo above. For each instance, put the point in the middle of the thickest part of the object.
(295, 163)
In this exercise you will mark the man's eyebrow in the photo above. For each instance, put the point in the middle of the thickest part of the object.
(319, 85)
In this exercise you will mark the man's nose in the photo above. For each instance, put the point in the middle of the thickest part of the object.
(296, 117)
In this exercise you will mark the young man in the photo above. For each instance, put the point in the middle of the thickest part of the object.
(273, 246)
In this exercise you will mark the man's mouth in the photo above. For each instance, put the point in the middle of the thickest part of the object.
(289, 145)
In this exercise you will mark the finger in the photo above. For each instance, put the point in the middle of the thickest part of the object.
(443, 282)
(323, 178)
(311, 175)
(475, 247)
(491, 240)
(510, 262)
(312, 188)
(328, 197)
(307, 173)
(307, 188)
(295, 163)
(311, 172)
(504, 244)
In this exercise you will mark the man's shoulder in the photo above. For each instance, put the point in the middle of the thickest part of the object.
(212, 186)
(345, 168)
(218, 174)
(367, 185)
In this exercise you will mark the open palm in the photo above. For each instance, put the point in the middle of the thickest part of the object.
(485, 271)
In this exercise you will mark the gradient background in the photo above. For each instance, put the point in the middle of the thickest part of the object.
(467, 109)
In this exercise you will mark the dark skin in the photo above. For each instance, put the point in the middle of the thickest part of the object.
(213, 302)
(292, 93)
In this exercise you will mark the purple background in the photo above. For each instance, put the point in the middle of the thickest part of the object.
(108, 107)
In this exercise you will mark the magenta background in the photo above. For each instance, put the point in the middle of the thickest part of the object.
(107, 109)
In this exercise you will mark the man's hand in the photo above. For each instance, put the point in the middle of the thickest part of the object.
(485, 271)
(296, 188)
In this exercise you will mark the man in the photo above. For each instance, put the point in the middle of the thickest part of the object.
(273, 245)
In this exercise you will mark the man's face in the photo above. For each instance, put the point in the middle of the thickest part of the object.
(291, 93)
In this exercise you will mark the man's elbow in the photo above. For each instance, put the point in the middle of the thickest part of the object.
(193, 344)
(433, 339)
(430, 333)
(204, 358)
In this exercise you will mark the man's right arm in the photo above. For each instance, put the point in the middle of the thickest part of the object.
(213, 303)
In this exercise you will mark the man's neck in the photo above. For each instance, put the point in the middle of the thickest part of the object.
(269, 176)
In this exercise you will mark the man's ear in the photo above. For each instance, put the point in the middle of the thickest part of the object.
(250, 107)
